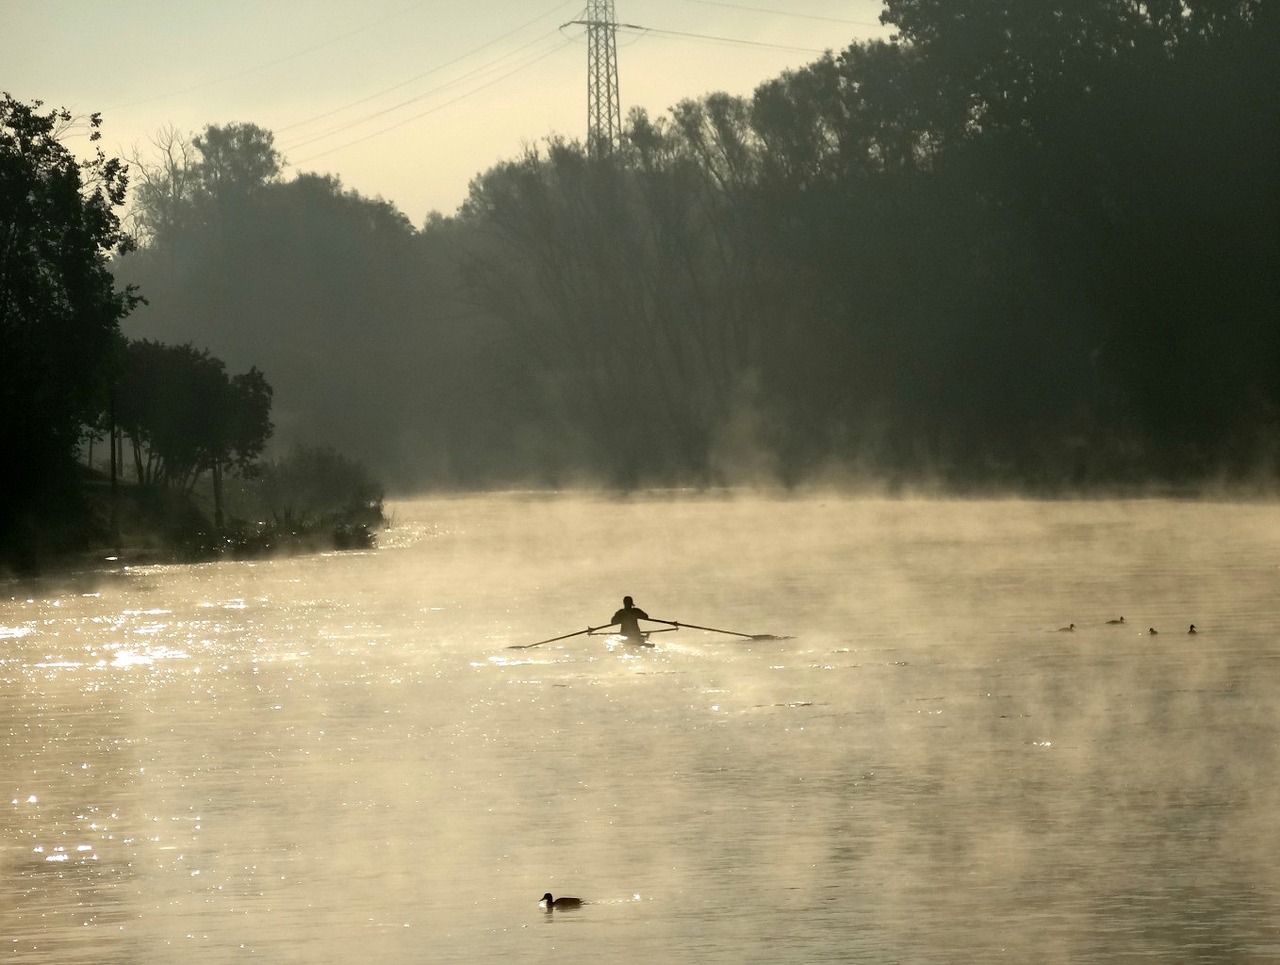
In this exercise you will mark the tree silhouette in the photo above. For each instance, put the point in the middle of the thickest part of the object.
(185, 417)
(59, 314)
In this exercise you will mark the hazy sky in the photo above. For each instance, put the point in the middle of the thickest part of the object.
(406, 99)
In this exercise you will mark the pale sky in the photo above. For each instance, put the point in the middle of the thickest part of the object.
(403, 99)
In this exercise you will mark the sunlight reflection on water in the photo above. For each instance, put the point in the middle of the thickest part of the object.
(324, 758)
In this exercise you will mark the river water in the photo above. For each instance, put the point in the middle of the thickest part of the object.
(338, 758)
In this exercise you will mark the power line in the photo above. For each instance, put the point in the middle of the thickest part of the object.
(438, 107)
(785, 13)
(413, 100)
(722, 40)
(264, 66)
(427, 73)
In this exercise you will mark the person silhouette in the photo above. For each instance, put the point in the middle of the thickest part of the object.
(628, 620)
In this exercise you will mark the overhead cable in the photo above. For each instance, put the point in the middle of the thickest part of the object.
(346, 126)
(437, 108)
(785, 13)
(263, 66)
(425, 73)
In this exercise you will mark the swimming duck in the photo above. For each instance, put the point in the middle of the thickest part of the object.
(1152, 630)
(1070, 628)
(561, 902)
(1121, 620)
(1193, 629)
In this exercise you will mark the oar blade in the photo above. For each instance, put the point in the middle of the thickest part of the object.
(733, 633)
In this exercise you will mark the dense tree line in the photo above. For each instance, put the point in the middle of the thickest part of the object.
(1029, 245)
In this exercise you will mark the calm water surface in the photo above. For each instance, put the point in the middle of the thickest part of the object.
(337, 758)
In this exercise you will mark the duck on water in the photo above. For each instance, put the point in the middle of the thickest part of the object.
(560, 903)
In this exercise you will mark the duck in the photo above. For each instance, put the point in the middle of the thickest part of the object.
(1121, 620)
(1193, 629)
(1152, 630)
(1069, 628)
(561, 902)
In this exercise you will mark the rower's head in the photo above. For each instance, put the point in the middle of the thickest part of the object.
(626, 601)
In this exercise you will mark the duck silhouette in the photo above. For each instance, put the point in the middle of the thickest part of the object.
(561, 902)
(1121, 620)
(1152, 630)
(1193, 629)
(1069, 628)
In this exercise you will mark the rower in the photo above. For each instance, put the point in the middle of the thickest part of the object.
(628, 620)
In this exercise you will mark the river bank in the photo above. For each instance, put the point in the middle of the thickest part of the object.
(103, 527)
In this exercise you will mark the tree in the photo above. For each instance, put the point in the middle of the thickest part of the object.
(631, 290)
(163, 188)
(187, 182)
(236, 160)
(241, 433)
(315, 485)
(1127, 154)
(59, 311)
(185, 417)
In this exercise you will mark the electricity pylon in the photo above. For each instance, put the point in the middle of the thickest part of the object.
(604, 106)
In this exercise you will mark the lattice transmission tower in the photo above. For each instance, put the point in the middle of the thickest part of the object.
(604, 105)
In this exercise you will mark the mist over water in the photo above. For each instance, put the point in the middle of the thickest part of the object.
(337, 758)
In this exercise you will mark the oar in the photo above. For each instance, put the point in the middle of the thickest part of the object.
(526, 646)
(736, 633)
